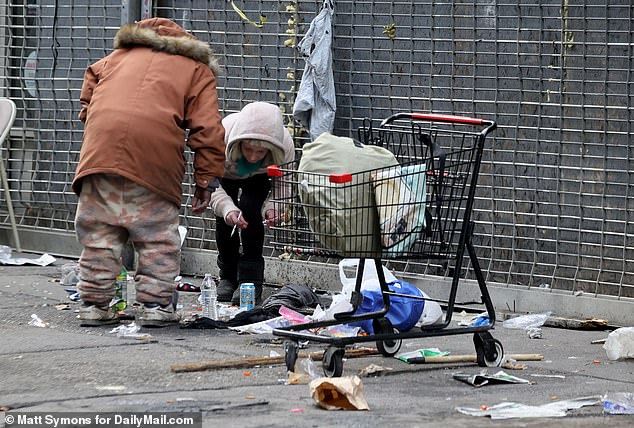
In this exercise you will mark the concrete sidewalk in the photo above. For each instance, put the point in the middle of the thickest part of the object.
(65, 367)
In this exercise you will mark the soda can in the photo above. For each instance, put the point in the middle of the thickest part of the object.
(247, 295)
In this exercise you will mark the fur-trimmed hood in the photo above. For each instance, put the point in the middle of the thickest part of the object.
(164, 35)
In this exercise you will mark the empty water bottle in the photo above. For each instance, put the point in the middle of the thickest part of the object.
(209, 295)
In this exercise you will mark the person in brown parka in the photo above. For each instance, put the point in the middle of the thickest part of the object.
(137, 104)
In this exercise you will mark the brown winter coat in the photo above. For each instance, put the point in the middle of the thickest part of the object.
(137, 103)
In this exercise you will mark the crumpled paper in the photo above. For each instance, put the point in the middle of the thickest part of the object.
(340, 393)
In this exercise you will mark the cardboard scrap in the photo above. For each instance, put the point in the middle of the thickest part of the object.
(577, 324)
(340, 393)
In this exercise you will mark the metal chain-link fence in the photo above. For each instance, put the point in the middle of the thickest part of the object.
(553, 206)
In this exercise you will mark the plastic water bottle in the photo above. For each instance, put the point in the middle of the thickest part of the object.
(209, 295)
(120, 300)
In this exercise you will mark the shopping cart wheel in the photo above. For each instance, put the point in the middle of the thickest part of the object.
(388, 347)
(489, 351)
(290, 357)
(333, 361)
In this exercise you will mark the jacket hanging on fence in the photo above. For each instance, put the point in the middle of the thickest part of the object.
(315, 104)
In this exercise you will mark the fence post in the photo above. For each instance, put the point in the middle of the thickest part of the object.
(146, 9)
(130, 11)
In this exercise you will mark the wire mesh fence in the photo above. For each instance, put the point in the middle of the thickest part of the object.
(553, 205)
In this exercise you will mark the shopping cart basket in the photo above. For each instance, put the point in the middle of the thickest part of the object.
(419, 208)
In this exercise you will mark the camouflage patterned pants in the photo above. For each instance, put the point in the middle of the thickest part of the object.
(111, 209)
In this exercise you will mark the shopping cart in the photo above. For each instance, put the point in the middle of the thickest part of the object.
(439, 159)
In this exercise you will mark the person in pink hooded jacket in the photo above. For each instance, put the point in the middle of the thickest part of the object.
(255, 138)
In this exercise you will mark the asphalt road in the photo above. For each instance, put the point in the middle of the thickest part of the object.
(68, 368)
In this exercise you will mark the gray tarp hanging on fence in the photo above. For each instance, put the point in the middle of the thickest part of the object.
(315, 104)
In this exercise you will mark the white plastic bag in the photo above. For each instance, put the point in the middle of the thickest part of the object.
(432, 313)
(525, 322)
(370, 279)
(620, 344)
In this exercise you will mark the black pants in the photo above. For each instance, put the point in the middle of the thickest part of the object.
(248, 266)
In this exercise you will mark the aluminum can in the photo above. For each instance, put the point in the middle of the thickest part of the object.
(247, 295)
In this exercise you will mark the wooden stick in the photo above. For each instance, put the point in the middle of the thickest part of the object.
(256, 361)
(350, 353)
(443, 359)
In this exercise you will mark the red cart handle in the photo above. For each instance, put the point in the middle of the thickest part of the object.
(276, 171)
(447, 118)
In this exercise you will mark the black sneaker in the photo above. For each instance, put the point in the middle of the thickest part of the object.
(225, 290)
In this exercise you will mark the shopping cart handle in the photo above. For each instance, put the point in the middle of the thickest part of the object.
(274, 171)
(438, 118)
(340, 178)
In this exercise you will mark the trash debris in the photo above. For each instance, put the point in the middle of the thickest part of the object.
(182, 233)
(70, 274)
(113, 388)
(5, 252)
(419, 356)
(484, 378)
(185, 286)
(480, 320)
(512, 364)
(340, 330)
(466, 320)
(262, 327)
(549, 375)
(120, 300)
(525, 322)
(620, 344)
(38, 322)
(508, 410)
(390, 30)
(298, 297)
(297, 379)
(587, 324)
(374, 369)
(305, 371)
(293, 316)
(534, 333)
(618, 403)
(130, 330)
(6, 259)
(341, 393)
(62, 307)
